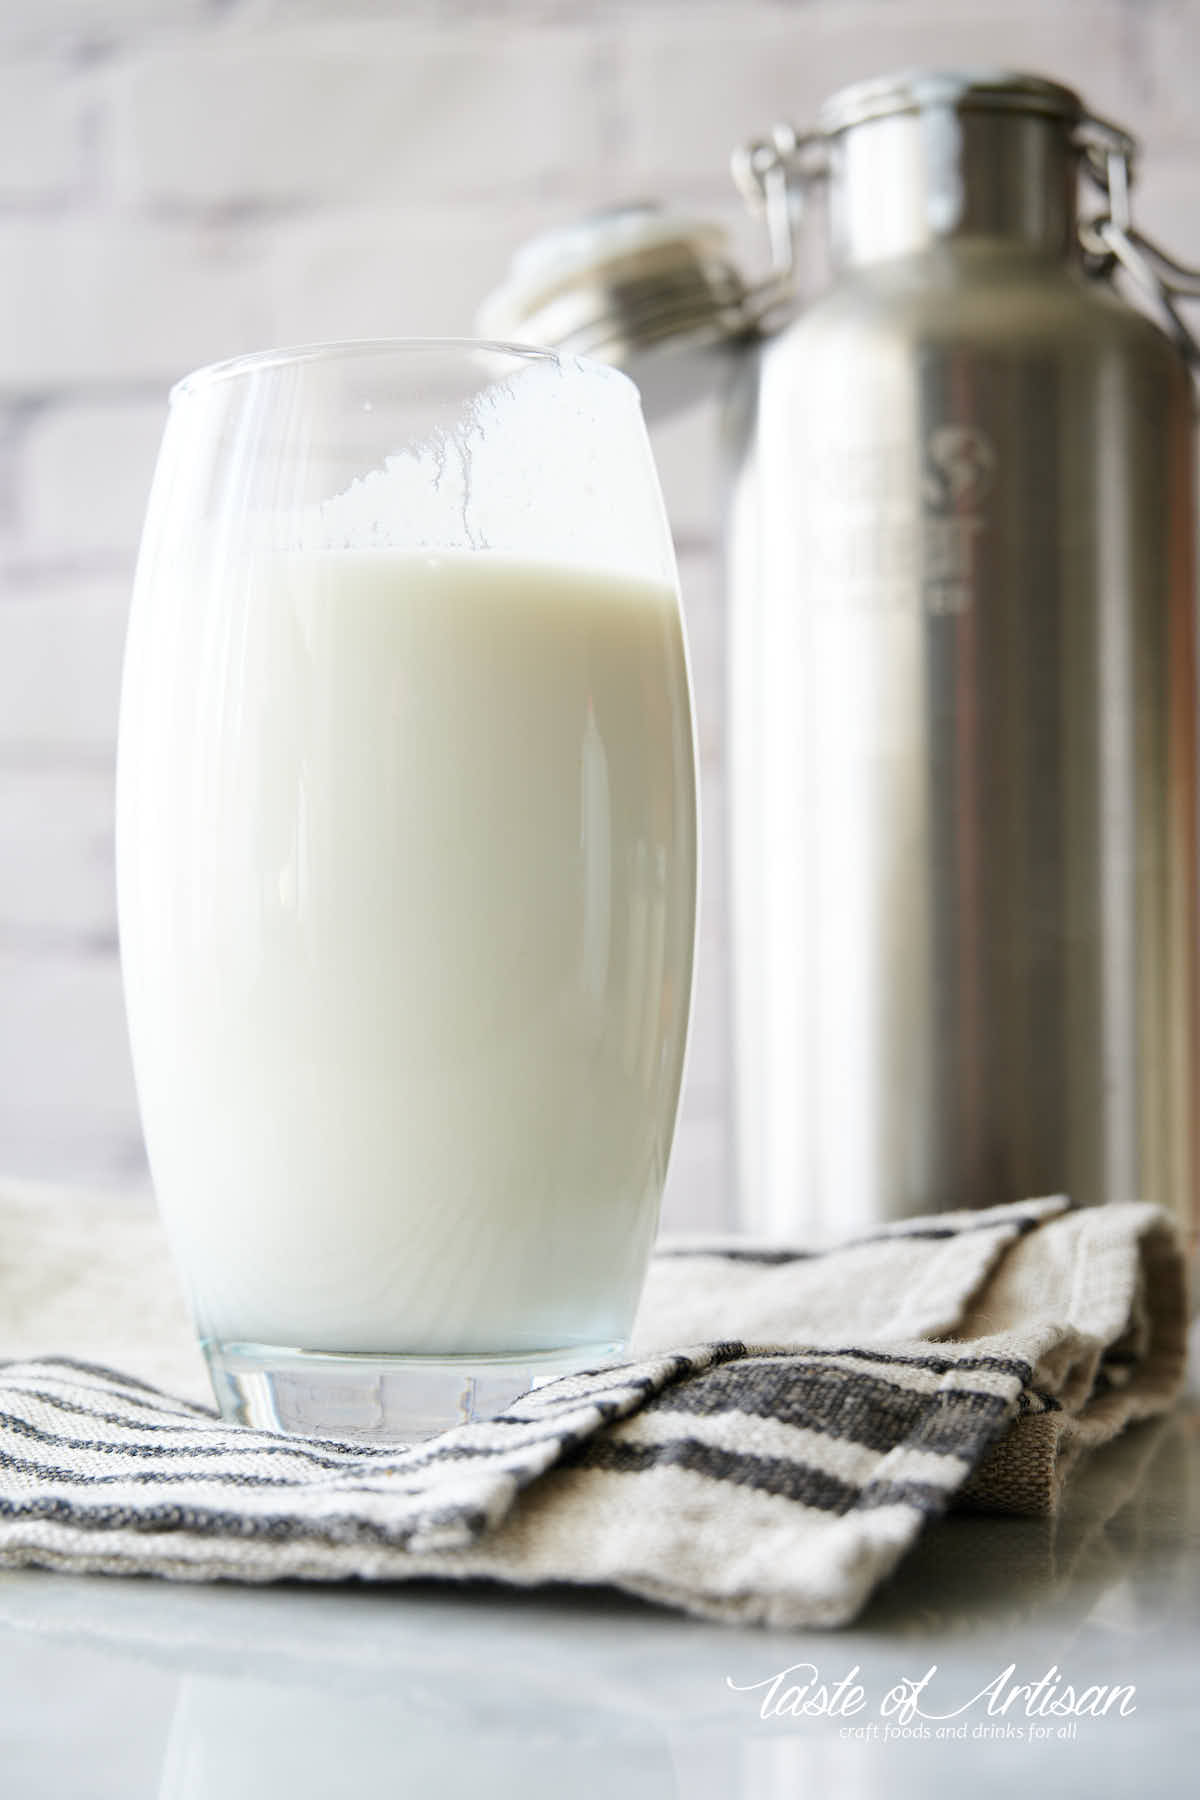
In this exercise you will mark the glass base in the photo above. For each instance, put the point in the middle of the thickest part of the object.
(382, 1399)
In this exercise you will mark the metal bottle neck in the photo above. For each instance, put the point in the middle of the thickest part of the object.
(905, 181)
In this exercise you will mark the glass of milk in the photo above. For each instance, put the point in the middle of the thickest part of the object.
(406, 843)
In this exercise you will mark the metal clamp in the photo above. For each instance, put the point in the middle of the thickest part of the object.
(774, 176)
(1111, 240)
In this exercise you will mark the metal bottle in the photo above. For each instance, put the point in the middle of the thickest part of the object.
(963, 677)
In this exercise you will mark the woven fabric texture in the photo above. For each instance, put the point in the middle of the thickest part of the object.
(787, 1424)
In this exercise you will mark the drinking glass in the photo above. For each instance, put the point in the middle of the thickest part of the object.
(406, 847)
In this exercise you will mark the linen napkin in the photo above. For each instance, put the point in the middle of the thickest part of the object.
(788, 1422)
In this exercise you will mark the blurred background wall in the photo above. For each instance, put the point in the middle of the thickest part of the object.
(182, 180)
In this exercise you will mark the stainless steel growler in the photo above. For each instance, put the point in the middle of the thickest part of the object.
(962, 664)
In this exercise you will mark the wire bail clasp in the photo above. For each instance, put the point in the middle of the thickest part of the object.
(1111, 240)
(775, 176)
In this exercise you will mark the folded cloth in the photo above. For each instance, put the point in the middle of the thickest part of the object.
(788, 1423)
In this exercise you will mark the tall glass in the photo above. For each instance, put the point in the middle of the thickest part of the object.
(406, 841)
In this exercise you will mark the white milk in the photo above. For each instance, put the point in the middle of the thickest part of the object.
(406, 858)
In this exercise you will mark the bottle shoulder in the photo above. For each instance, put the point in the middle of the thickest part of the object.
(952, 295)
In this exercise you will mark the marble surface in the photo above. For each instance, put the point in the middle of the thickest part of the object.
(118, 1689)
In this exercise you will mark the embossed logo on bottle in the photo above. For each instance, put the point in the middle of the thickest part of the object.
(960, 468)
(895, 527)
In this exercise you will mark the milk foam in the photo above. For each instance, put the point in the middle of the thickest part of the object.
(539, 463)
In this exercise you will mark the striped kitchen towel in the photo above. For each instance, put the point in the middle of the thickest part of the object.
(788, 1424)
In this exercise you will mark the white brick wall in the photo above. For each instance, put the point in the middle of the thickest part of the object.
(68, 1103)
(1165, 54)
(99, 452)
(61, 637)
(90, 24)
(110, 300)
(185, 179)
(43, 117)
(389, 270)
(1168, 203)
(691, 93)
(56, 828)
(342, 112)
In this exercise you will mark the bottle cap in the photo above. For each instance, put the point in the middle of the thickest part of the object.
(635, 285)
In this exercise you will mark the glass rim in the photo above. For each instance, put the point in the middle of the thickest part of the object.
(345, 349)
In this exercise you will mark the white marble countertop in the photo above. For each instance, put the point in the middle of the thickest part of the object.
(117, 1689)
